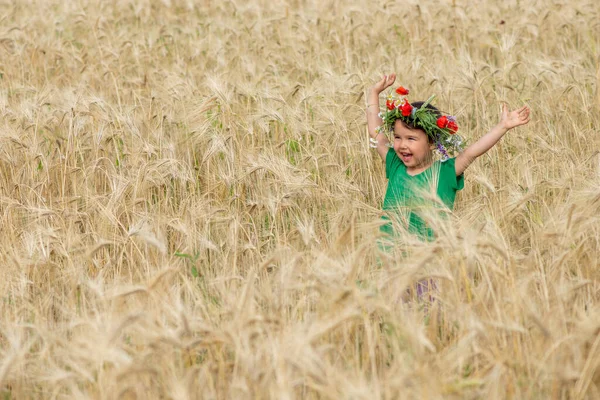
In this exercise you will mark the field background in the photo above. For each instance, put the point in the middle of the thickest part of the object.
(189, 207)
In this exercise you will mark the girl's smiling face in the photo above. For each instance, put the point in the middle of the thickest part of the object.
(413, 147)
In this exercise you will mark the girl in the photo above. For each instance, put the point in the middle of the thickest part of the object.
(416, 184)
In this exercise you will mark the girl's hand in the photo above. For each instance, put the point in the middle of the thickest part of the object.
(514, 118)
(385, 82)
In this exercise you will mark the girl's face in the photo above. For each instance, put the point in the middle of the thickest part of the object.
(412, 146)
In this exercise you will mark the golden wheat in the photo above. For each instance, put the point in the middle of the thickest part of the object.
(189, 206)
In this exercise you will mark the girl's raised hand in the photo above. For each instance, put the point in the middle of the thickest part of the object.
(514, 118)
(385, 82)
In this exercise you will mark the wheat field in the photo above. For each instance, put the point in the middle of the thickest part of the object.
(190, 208)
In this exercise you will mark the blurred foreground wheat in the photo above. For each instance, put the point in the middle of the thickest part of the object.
(189, 207)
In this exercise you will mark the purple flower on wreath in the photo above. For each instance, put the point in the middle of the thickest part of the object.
(443, 152)
(451, 118)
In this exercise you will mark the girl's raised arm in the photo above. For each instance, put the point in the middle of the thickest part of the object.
(508, 121)
(373, 119)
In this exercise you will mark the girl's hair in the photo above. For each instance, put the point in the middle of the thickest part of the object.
(411, 123)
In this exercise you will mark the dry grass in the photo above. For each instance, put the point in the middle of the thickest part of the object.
(189, 205)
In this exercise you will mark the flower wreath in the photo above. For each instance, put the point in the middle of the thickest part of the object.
(440, 128)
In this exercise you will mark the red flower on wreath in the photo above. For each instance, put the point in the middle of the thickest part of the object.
(402, 91)
(453, 127)
(442, 122)
(390, 105)
(406, 108)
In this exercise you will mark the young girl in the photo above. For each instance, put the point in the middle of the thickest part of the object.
(416, 183)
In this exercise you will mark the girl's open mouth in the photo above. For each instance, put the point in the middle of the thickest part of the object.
(406, 156)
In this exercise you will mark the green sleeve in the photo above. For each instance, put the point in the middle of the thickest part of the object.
(392, 162)
(449, 168)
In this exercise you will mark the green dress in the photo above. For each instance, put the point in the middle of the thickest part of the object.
(409, 198)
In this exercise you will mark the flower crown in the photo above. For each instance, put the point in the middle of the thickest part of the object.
(440, 128)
